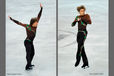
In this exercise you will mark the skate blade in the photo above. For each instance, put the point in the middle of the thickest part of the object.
(29, 69)
(85, 67)
(32, 66)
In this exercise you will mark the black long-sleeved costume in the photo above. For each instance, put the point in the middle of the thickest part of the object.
(31, 33)
(81, 36)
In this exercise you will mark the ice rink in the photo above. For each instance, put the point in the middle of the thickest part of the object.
(96, 44)
(44, 43)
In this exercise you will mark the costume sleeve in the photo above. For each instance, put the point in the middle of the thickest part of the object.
(74, 22)
(86, 19)
(17, 22)
(39, 14)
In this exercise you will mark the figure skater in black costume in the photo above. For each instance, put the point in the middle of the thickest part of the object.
(31, 33)
(82, 19)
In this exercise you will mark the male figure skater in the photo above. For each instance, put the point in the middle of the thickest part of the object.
(82, 19)
(31, 33)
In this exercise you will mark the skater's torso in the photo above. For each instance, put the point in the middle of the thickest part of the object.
(31, 32)
(84, 19)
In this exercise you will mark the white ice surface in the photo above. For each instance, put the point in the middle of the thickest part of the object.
(44, 43)
(96, 44)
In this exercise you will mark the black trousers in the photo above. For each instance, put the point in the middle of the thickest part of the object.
(29, 51)
(81, 36)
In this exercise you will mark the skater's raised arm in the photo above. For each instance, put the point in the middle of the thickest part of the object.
(17, 22)
(86, 19)
(40, 13)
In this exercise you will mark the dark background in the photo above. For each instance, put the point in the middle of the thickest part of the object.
(2, 37)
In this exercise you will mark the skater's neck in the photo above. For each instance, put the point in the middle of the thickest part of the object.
(82, 14)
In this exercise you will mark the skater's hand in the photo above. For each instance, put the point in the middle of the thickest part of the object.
(41, 5)
(79, 19)
(9, 17)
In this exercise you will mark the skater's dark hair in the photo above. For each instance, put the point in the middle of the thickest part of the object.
(33, 20)
(81, 7)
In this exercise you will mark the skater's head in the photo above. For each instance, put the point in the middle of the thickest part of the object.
(33, 22)
(81, 9)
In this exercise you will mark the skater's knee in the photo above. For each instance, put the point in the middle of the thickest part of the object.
(33, 53)
(80, 44)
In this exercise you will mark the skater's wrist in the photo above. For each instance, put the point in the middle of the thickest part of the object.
(11, 18)
(41, 7)
(79, 19)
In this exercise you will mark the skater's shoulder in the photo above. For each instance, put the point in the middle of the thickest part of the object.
(78, 16)
(87, 15)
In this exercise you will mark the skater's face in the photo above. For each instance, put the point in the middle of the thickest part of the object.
(35, 24)
(82, 11)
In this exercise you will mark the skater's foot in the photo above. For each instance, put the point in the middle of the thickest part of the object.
(76, 64)
(28, 67)
(32, 65)
(85, 66)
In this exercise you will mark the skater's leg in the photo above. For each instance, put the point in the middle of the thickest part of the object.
(84, 57)
(78, 57)
(80, 44)
(32, 53)
(28, 54)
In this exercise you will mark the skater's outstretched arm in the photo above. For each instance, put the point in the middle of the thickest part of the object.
(86, 19)
(76, 20)
(17, 22)
(40, 13)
